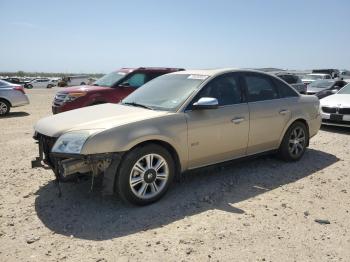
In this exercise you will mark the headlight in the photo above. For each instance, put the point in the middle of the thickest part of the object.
(72, 96)
(71, 142)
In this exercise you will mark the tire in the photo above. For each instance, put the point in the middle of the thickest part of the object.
(294, 142)
(49, 86)
(82, 83)
(4, 107)
(29, 86)
(150, 184)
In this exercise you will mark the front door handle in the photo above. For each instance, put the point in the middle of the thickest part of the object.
(237, 120)
(284, 111)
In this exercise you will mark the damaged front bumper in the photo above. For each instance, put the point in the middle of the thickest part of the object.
(65, 166)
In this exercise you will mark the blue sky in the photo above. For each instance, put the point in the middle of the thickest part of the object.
(100, 36)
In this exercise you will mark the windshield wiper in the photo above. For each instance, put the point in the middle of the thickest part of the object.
(136, 104)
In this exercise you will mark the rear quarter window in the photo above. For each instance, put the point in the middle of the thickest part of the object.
(284, 90)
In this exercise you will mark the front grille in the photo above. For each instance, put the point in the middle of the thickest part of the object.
(330, 110)
(333, 110)
(59, 99)
(344, 111)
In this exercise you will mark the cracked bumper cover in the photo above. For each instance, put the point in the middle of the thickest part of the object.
(94, 164)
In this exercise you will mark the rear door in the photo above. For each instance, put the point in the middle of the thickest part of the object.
(269, 112)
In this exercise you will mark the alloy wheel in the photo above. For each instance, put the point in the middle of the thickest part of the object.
(297, 141)
(3, 108)
(149, 176)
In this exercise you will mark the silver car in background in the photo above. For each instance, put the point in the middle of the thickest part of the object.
(11, 95)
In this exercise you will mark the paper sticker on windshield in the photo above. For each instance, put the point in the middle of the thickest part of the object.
(197, 77)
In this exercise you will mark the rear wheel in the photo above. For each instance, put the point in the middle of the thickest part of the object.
(294, 142)
(4, 107)
(82, 83)
(145, 174)
(29, 86)
(49, 86)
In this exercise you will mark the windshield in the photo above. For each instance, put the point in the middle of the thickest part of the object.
(345, 90)
(166, 92)
(321, 84)
(314, 77)
(3, 83)
(109, 79)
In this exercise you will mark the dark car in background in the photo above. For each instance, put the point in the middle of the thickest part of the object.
(17, 80)
(293, 80)
(111, 88)
(323, 88)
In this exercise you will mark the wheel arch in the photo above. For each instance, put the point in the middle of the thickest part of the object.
(6, 100)
(159, 142)
(300, 119)
(170, 148)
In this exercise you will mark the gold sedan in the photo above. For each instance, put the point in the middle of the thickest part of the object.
(177, 122)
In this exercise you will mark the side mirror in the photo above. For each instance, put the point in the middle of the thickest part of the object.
(206, 103)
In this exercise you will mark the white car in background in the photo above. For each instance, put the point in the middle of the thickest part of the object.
(309, 78)
(41, 83)
(336, 108)
(74, 81)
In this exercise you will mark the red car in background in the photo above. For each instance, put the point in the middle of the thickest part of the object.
(111, 88)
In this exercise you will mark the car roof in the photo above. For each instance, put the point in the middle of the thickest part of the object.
(158, 69)
(318, 74)
(218, 71)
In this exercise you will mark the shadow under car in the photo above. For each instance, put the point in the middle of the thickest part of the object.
(89, 215)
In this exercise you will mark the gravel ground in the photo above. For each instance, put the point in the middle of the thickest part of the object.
(255, 210)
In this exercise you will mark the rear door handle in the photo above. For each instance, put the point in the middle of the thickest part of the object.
(284, 111)
(237, 120)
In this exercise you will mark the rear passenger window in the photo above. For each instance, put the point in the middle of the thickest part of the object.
(284, 90)
(136, 80)
(260, 88)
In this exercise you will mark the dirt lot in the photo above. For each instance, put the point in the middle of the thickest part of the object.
(256, 210)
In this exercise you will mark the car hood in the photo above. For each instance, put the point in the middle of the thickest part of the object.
(84, 88)
(98, 117)
(337, 100)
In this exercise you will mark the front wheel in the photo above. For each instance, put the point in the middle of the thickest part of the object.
(29, 86)
(294, 142)
(49, 86)
(145, 174)
(4, 108)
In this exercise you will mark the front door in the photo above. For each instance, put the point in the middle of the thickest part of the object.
(216, 135)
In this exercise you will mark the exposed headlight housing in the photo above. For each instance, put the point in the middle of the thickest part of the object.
(72, 142)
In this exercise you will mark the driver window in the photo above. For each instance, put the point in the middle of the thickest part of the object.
(136, 80)
(225, 89)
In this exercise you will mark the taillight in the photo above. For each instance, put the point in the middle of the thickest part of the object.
(19, 88)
